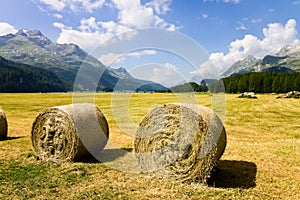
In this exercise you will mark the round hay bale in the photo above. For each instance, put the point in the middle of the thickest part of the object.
(180, 141)
(69, 133)
(3, 125)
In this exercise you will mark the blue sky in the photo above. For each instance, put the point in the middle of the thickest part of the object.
(228, 30)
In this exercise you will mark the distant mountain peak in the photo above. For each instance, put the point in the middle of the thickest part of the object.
(33, 48)
(35, 36)
(30, 33)
(250, 57)
(241, 64)
(290, 50)
(122, 72)
(286, 60)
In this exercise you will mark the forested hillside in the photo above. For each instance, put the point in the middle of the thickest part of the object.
(16, 77)
(31, 47)
(189, 87)
(258, 82)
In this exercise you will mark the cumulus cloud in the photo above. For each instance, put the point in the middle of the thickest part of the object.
(88, 25)
(276, 36)
(134, 14)
(160, 6)
(91, 33)
(91, 5)
(73, 5)
(114, 58)
(57, 5)
(131, 14)
(6, 28)
(61, 26)
(86, 40)
(166, 74)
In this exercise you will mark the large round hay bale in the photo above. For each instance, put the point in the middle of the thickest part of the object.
(180, 141)
(3, 125)
(69, 133)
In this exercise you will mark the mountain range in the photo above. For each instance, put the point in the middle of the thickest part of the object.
(17, 77)
(32, 48)
(286, 60)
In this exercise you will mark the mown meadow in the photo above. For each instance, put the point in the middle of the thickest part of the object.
(261, 160)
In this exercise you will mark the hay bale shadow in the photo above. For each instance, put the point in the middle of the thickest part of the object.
(12, 138)
(107, 155)
(233, 174)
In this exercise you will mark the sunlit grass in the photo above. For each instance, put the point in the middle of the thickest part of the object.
(261, 160)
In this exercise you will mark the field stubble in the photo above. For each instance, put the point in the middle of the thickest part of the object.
(261, 161)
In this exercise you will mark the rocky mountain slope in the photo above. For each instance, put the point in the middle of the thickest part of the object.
(33, 48)
(242, 66)
(286, 60)
(290, 51)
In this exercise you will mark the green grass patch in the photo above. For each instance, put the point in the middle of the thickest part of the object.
(261, 160)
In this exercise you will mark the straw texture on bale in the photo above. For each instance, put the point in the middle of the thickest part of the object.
(180, 141)
(3, 125)
(69, 133)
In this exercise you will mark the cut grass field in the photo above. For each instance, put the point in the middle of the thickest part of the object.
(261, 161)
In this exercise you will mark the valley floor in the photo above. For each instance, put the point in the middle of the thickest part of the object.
(261, 160)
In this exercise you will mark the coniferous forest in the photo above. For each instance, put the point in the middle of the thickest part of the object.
(258, 82)
(16, 77)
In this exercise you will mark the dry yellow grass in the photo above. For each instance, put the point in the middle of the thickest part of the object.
(261, 160)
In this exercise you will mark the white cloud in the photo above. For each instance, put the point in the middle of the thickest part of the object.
(133, 14)
(114, 27)
(57, 5)
(114, 58)
(91, 5)
(204, 16)
(255, 21)
(173, 27)
(166, 74)
(88, 25)
(271, 10)
(91, 34)
(276, 36)
(61, 26)
(57, 16)
(111, 58)
(73, 5)
(231, 1)
(225, 1)
(142, 53)
(241, 26)
(6, 28)
(160, 6)
(86, 40)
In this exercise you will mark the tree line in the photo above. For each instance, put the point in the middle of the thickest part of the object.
(16, 77)
(186, 87)
(258, 82)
